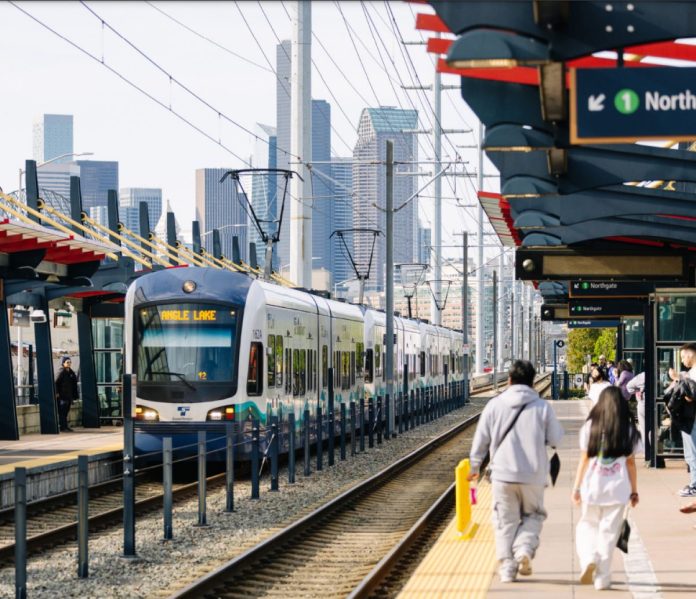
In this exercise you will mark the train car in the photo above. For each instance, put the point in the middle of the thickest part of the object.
(211, 346)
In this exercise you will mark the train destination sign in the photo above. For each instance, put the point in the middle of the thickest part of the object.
(605, 307)
(188, 315)
(631, 104)
(593, 324)
(611, 288)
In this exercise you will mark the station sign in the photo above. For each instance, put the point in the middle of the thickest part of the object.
(593, 324)
(611, 288)
(631, 104)
(605, 307)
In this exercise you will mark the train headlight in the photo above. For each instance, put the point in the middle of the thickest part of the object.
(224, 413)
(148, 414)
(189, 286)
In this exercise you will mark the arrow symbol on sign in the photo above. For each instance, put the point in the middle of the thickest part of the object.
(596, 103)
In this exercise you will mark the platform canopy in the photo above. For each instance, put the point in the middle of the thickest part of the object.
(607, 209)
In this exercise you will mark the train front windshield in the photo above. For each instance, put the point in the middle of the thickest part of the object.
(186, 344)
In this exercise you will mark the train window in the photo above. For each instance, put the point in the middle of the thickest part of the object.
(255, 374)
(378, 360)
(324, 366)
(279, 360)
(270, 364)
(422, 363)
(310, 371)
(345, 370)
(359, 358)
(352, 368)
(315, 368)
(369, 354)
(295, 372)
(302, 372)
(288, 371)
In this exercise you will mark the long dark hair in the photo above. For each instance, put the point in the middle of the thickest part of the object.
(611, 430)
(625, 365)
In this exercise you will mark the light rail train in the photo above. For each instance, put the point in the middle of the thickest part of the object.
(211, 346)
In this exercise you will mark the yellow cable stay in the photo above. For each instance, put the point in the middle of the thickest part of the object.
(17, 213)
(168, 255)
(153, 257)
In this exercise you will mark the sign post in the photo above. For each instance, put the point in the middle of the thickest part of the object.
(626, 105)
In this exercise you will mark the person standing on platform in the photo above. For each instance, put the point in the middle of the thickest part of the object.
(598, 382)
(516, 426)
(625, 375)
(66, 392)
(636, 386)
(605, 482)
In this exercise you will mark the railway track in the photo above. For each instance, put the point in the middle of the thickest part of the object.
(367, 538)
(53, 520)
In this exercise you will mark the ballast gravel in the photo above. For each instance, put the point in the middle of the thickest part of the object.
(162, 567)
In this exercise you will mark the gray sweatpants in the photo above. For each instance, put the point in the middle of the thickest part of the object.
(518, 515)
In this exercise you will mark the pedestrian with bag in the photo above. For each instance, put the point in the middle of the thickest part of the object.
(605, 482)
(515, 427)
(66, 392)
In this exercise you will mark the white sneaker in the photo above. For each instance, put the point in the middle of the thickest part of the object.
(508, 571)
(588, 573)
(602, 585)
(524, 565)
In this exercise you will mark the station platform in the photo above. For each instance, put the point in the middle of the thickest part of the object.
(51, 460)
(657, 563)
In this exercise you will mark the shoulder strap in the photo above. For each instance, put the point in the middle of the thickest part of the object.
(510, 427)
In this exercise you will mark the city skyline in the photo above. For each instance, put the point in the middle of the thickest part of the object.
(151, 159)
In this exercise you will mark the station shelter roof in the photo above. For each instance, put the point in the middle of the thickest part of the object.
(516, 61)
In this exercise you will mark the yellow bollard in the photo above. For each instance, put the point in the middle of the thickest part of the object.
(463, 500)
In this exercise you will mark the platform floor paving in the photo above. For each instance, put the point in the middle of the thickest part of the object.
(38, 450)
(659, 562)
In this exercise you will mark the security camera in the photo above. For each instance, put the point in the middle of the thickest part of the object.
(37, 316)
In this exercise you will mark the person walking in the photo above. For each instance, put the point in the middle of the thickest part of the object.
(66, 392)
(516, 426)
(598, 382)
(625, 371)
(636, 386)
(605, 482)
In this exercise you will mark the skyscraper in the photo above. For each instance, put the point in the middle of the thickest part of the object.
(265, 189)
(341, 217)
(322, 189)
(56, 178)
(219, 206)
(53, 137)
(321, 155)
(283, 109)
(424, 244)
(97, 177)
(130, 197)
(377, 125)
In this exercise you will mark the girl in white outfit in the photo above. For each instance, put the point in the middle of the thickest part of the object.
(605, 482)
(598, 383)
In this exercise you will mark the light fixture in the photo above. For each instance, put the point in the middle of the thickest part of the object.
(485, 48)
(37, 316)
(189, 286)
(52, 279)
(515, 138)
(528, 265)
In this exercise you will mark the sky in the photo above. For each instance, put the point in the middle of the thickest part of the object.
(230, 71)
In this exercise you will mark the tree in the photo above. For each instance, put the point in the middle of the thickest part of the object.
(605, 344)
(581, 343)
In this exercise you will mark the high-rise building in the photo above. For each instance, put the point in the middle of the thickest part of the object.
(97, 177)
(424, 244)
(321, 155)
(130, 197)
(377, 125)
(219, 206)
(53, 137)
(341, 217)
(265, 189)
(283, 111)
(322, 189)
(56, 178)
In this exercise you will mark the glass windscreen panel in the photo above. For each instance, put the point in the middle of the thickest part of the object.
(667, 357)
(634, 334)
(675, 321)
(186, 343)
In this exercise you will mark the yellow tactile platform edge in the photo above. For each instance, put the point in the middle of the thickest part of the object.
(59, 457)
(456, 567)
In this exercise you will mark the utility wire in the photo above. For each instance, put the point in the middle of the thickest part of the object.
(207, 39)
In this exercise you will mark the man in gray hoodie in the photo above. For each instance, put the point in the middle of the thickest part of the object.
(519, 466)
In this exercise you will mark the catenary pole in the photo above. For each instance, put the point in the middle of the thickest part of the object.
(389, 345)
(301, 146)
(465, 315)
(479, 274)
(437, 190)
